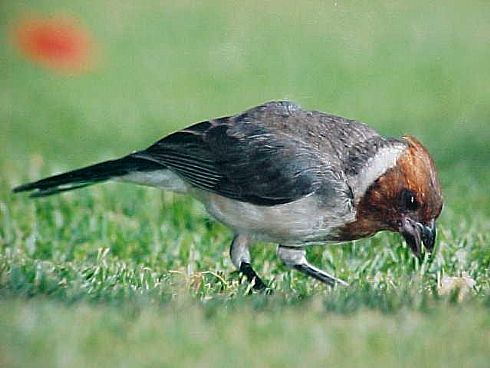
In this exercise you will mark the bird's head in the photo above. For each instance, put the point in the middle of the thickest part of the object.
(406, 199)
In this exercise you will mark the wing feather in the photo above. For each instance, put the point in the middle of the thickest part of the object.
(272, 154)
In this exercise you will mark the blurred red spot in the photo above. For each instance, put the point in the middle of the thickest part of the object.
(59, 43)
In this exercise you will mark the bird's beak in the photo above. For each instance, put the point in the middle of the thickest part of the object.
(416, 233)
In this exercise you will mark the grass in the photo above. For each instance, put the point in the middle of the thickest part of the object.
(187, 336)
(119, 275)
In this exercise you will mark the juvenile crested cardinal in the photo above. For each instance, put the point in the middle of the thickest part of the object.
(282, 174)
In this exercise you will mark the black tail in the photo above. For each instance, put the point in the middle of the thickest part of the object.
(87, 175)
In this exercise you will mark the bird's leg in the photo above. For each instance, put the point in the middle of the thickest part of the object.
(240, 256)
(294, 257)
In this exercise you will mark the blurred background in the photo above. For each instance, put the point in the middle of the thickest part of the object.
(84, 81)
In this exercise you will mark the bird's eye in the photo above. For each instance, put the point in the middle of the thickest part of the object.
(409, 201)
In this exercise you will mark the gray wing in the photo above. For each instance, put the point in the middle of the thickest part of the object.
(269, 155)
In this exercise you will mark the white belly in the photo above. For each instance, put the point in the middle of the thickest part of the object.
(294, 223)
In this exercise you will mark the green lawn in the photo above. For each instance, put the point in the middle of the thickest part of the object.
(120, 275)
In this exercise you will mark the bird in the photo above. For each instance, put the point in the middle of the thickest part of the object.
(282, 174)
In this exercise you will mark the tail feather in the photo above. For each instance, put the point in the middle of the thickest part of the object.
(87, 176)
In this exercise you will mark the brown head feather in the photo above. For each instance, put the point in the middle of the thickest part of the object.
(381, 207)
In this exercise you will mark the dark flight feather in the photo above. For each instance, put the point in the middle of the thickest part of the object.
(87, 175)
